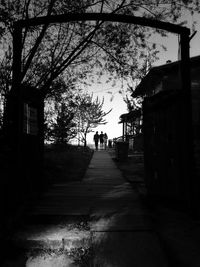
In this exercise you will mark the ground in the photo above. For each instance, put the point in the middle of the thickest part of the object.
(67, 162)
(177, 228)
(104, 220)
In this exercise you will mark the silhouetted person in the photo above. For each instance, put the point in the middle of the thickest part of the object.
(105, 139)
(110, 143)
(101, 137)
(96, 140)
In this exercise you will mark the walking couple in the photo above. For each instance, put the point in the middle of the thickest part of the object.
(102, 138)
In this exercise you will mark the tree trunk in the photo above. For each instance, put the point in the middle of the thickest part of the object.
(85, 141)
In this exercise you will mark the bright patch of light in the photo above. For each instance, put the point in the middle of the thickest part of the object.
(50, 261)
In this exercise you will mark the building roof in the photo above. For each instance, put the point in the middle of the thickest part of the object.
(155, 75)
(131, 116)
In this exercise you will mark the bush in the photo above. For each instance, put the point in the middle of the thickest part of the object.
(65, 163)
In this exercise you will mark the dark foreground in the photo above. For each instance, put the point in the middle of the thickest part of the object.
(103, 220)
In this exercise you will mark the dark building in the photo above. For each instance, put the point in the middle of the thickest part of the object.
(166, 155)
(132, 129)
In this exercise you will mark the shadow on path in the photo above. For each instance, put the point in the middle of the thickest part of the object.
(98, 221)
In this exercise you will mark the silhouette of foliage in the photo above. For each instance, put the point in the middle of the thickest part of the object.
(49, 50)
(64, 128)
(81, 50)
(89, 115)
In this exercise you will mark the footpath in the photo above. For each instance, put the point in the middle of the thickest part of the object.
(98, 222)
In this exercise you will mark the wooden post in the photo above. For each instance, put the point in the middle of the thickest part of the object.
(126, 131)
(123, 132)
(17, 107)
(188, 153)
(16, 79)
(17, 51)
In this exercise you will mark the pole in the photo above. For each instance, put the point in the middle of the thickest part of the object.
(17, 51)
(16, 102)
(188, 151)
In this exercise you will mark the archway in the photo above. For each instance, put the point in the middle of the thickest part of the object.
(17, 90)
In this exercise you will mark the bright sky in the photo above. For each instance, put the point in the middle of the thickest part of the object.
(113, 128)
(118, 106)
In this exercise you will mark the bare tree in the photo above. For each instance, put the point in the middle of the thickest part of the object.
(89, 115)
(78, 50)
(49, 50)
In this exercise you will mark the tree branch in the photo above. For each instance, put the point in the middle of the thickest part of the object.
(39, 39)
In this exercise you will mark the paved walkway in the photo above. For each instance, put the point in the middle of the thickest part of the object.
(99, 220)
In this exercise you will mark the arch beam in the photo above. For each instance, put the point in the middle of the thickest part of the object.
(104, 17)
